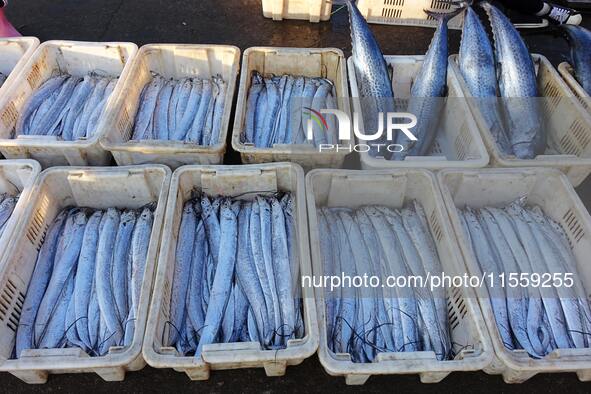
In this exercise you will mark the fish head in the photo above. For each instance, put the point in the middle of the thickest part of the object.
(128, 216)
(80, 217)
(524, 150)
(147, 214)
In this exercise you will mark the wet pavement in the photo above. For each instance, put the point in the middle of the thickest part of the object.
(240, 23)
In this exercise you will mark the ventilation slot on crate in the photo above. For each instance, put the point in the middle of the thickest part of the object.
(463, 142)
(435, 227)
(19, 300)
(584, 102)
(551, 99)
(396, 3)
(166, 296)
(3, 309)
(573, 227)
(552, 93)
(34, 77)
(440, 5)
(568, 146)
(456, 309)
(581, 134)
(391, 13)
(463, 308)
(38, 228)
(11, 304)
(10, 116)
(436, 149)
(401, 104)
(124, 125)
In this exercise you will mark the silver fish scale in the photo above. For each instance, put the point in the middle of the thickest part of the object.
(476, 58)
(370, 65)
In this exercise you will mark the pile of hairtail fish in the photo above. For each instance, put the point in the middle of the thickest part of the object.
(188, 110)
(514, 116)
(85, 289)
(521, 239)
(66, 107)
(235, 274)
(380, 241)
(7, 204)
(279, 108)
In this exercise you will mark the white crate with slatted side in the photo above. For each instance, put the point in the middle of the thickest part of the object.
(309, 62)
(171, 61)
(394, 189)
(51, 58)
(245, 181)
(550, 190)
(56, 189)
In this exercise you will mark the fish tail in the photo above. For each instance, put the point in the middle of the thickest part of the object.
(485, 5)
(443, 16)
(459, 3)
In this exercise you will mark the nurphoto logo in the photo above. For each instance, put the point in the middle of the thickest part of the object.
(401, 121)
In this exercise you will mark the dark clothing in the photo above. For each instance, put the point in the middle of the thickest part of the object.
(524, 6)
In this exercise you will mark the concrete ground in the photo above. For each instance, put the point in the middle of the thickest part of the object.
(240, 23)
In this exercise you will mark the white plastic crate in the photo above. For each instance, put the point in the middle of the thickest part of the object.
(394, 188)
(458, 143)
(310, 10)
(568, 74)
(16, 178)
(406, 12)
(14, 53)
(51, 58)
(309, 62)
(551, 190)
(176, 61)
(245, 181)
(56, 189)
(568, 126)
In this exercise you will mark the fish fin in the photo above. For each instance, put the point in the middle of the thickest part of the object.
(390, 70)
